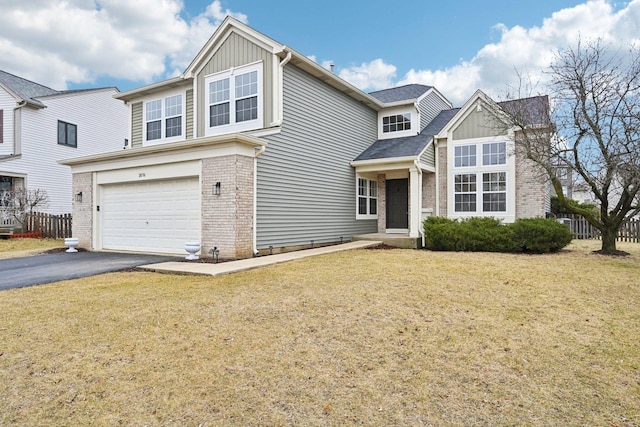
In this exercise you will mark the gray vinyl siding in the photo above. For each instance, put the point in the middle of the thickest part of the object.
(189, 113)
(136, 125)
(429, 156)
(478, 124)
(235, 52)
(429, 108)
(306, 186)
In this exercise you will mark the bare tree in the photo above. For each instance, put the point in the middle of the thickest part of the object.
(596, 115)
(22, 202)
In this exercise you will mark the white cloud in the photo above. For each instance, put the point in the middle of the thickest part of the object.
(74, 40)
(371, 76)
(527, 51)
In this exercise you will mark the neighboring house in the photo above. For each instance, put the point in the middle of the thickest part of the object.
(40, 125)
(255, 149)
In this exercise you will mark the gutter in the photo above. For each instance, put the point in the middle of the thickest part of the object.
(259, 151)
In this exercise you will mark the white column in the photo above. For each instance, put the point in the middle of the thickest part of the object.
(415, 191)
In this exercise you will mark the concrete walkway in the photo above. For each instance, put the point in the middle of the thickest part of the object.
(211, 269)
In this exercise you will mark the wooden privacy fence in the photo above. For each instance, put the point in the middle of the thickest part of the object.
(51, 226)
(629, 232)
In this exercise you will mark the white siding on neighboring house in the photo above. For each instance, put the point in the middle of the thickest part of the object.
(7, 104)
(306, 186)
(101, 127)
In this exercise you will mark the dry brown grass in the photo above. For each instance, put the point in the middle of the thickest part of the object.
(13, 248)
(395, 337)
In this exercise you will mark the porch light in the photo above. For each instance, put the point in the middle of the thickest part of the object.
(216, 189)
(79, 197)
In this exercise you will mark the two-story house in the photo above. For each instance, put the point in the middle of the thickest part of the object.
(40, 125)
(255, 148)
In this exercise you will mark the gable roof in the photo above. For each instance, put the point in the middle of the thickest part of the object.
(283, 52)
(400, 93)
(532, 111)
(25, 90)
(409, 146)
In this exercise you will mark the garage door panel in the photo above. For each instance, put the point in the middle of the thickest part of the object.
(154, 216)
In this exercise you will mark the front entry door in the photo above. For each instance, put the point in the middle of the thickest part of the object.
(397, 193)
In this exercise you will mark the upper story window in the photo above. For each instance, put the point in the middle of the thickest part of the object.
(67, 134)
(234, 100)
(164, 118)
(464, 156)
(1, 126)
(494, 153)
(396, 123)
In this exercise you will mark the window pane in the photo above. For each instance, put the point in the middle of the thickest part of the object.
(362, 187)
(373, 206)
(494, 202)
(154, 110)
(62, 133)
(373, 188)
(362, 205)
(246, 109)
(219, 91)
(464, 156)
(247, 84)
(219, 115)
(494, 153)
(397, 122)
(173, 106)
(71, 135)
(154, 130)
(174, 127)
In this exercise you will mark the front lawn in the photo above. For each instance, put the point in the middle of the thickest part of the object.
(364, 337)
(13, 248)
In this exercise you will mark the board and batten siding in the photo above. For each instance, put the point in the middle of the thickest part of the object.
(430, 106)
(306, 186)
(237, 51)
(136, 125)
(478, 124)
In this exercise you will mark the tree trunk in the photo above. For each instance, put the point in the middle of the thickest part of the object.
(609, 240)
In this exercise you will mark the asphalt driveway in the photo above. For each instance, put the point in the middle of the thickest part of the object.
(47, 268)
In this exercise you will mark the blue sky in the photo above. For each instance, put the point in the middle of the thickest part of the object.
(458, 46)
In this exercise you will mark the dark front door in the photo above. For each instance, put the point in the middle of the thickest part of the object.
(397, 194)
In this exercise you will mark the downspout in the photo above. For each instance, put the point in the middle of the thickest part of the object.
(258, 153)
(437, 163)
(420, 228)
(284, 62)
(17, 128)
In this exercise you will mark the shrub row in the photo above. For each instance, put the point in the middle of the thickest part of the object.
(534, 235)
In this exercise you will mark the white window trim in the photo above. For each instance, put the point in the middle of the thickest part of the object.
(453, 148)
(509, 168)
(415, 122)
(163, 128)
(233, 126)
(368, 197)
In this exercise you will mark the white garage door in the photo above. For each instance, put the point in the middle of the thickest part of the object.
(152, 216)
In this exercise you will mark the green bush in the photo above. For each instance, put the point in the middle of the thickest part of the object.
(473, 234)
(539, 235)
(490, 235)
